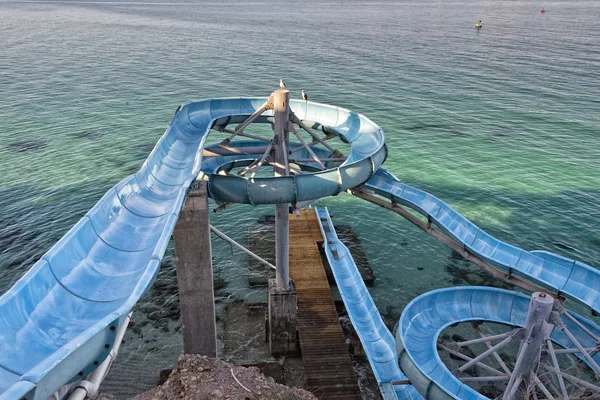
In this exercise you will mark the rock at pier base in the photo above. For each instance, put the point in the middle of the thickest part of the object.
(198, 377)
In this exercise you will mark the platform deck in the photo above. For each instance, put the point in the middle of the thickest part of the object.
(328, 367)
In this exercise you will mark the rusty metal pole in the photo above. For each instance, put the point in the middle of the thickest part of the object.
(281, 100)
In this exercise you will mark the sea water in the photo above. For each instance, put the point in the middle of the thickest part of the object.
(502, 123)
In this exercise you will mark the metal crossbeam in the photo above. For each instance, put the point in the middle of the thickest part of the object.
(302, 125)
(244, 134)
(543, 388)
(573, 379)
(561, 381)
(258, 162)
(496, 355)
(467, 358)
(486, 353)
(485, 339)
(239, 246)
(310, 151)
(266, 106)
(558, 322)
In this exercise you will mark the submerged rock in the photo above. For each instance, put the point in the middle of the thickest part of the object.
(199, 377)
(89, 134)
(27, 145)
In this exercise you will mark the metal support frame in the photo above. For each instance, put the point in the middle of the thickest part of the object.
(88, 387)
(308, 149)
(488, 343)
(302, 125)
(238, 129)
(561, 381)
(244, 134)
(229, 240)
(528, 360)
(573, 379)
(258, 162)
(467, 358)
(486, 353)
(484, 339)
(224, 150)
(536, 368)
(560, 325)
(340, 159)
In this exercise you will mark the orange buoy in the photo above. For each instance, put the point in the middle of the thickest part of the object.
(543, 10)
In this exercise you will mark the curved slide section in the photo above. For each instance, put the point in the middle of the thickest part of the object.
(59, 321)
(426, 316)
(555, 273)
(368, 152)
(376, 339)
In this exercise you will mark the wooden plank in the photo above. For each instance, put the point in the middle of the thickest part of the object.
(328, 367)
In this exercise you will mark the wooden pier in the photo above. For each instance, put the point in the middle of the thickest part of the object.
(328, 367)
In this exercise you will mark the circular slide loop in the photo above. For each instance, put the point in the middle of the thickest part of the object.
(425, 317)
(366, 139)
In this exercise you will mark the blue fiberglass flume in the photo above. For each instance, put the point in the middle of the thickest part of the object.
(414, 352)
(59, 321)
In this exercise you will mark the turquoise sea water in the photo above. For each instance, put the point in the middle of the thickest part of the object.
(502, 123)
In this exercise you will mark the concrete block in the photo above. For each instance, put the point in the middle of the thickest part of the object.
(283, 320)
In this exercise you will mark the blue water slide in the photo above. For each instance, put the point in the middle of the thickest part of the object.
(426, 316)
(555, 273)
(367, 154)
(376, 339)
(59, 321)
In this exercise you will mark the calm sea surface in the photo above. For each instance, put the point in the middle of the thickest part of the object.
(501, 123)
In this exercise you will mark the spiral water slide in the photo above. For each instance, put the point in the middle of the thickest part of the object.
(62, 319)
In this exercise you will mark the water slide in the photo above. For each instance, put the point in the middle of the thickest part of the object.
(426, 316)
(375, 337)
(556, 274)
(414, 353)
(414, 349)
(60, 320)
